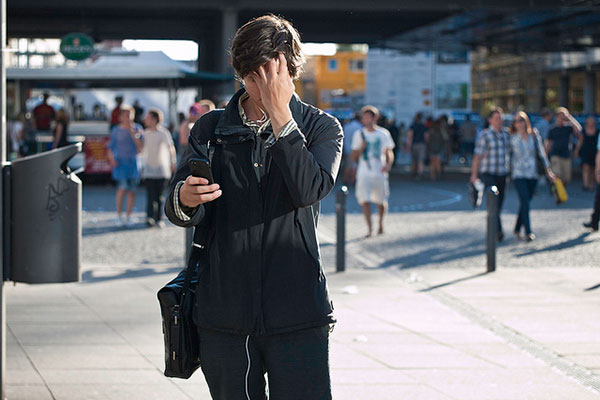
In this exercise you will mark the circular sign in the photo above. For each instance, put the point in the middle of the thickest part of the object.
(77, 46)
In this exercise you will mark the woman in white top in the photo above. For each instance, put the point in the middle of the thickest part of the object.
(158, 163)
(527, 151)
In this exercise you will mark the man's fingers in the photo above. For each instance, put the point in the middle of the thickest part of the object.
(205, 198)
(201, 189)
(282, 64)
(262, 73)
(196, 180)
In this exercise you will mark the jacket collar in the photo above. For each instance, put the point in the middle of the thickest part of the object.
(230, 122)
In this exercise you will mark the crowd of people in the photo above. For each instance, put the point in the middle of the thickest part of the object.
(44, 119)
(142, 149)
(519, 152)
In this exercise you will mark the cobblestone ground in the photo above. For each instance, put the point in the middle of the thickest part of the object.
(429, 225)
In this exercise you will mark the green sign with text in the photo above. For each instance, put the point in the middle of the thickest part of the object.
(77, 46)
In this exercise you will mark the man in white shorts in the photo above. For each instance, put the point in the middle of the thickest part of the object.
(372, 148)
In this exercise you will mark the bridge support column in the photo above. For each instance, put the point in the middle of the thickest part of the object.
(540, 94)
(563, 90)
(213, 54)
(589, 93)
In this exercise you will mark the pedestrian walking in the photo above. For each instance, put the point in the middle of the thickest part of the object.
(373, 149)
(415, 143)
(61, 134)
(528, 158)
(158, 164)
(43, 114)
(560, 143)
(468, 132)
(593, 224)
(348, 164)
(197, 110)
(124, 146)
(586, 149)
(15, 129)
(492, 157)
(116, 112)
(262, 304)
(139, 113)
(436, 148)
(543, 125)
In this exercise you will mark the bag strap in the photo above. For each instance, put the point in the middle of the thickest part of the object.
(196, 249)
(189, 272)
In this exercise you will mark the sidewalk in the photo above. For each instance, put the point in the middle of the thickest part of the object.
(417, 318)
(394, 340)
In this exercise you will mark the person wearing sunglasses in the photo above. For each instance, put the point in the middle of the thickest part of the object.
(527, 152)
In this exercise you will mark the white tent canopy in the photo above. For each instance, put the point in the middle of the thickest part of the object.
(118, 66)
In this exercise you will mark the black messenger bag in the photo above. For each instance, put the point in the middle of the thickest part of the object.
(182, 353)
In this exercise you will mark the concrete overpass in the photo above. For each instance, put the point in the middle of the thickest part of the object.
(410, 26)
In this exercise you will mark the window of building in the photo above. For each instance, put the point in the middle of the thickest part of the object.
(357, 65)
(332, 65)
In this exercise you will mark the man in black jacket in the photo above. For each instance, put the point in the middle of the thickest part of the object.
(262, 303)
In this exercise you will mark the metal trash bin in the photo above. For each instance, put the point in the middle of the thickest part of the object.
(44, 205)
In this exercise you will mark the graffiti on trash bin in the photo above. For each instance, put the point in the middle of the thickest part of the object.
(55, 193)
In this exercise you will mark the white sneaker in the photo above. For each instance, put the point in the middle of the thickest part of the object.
(129, 222)
(121, 220)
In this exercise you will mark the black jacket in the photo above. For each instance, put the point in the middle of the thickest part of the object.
(263, 274)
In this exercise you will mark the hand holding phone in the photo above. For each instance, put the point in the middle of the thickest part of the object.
(199, 187)
(200, 168)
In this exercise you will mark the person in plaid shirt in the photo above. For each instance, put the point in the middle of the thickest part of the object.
(492, 158)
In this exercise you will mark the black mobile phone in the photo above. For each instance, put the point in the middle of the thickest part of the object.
(201, 168)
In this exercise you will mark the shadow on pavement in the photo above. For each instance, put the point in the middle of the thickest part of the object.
(435, 255)
(88, 276)
(441, 285)
(592, 288)
(100, 230)
(559, 246)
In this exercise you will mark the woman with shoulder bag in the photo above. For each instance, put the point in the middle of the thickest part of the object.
(528, 161)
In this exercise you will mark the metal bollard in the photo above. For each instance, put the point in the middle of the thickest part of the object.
(189, 237)
(491, 202)
(340, 211)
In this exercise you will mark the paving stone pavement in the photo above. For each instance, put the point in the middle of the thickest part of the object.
(417, 316)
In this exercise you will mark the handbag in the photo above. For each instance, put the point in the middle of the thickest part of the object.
(541, 166)
(176, 299)
(557, 188)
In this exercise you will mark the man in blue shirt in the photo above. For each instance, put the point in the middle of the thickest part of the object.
(543, 125)
(560, 142)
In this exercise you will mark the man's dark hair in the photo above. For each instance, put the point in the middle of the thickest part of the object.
(260, 40)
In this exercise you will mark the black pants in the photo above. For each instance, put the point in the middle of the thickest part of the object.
(500, 182)
(296, 364)
(596, 213)
(155, 193)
